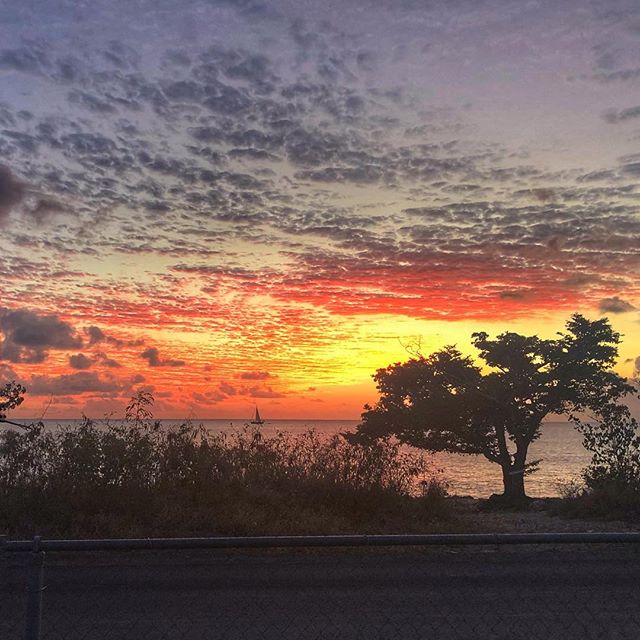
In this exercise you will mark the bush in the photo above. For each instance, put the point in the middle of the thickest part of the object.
(611, 482)
(138, 478)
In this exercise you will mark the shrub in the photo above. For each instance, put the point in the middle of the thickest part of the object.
(611, 482)
(137, 477)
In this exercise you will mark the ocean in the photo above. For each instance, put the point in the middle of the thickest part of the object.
(559, 449)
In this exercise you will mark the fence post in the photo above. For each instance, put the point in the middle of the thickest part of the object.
(35, 581)
(3, 552)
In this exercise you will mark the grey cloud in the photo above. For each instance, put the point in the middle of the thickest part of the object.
(95, 334)
(88, 143)
(7, 374)
(72, 384)
(252, 154)
(44, 208)
(103, 359)
(226, 100)
(255, 375)
(80, 361)
(177, 57)
(24, 141)
(207, 134)
(631, 168)
(7, 118)
(69, 69)
(615, 117)
(227, 389)
(615, 305)
(25, 60)
(12, 191)
(620, 75)
(313, 148)
(152, 356)
(359, 175)
(263, 392)
(91, 102)
(121, 55)
(513, 295)
(255, 68)
(28, 336)
(208, 397)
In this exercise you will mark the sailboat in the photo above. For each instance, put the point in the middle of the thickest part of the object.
(257, 419)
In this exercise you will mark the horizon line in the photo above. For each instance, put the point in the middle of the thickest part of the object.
(248, 420)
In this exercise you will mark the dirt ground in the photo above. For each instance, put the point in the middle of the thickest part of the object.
(473, 515)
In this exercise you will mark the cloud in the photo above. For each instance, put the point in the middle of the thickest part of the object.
(72, 384)
(44, 208)
(247, 146)
(262, 392)
(28, 335)
(26, 59)
(12, 191)
(513, 295)
(623, 115)
(152, 356)
(7, 374)
(255, 375)
(80, 361)
(225, 390)
(97, 336)
(208, 397)
(615, 305)
(103, 359)
(81, 382)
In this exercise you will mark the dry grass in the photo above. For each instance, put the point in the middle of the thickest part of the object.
(138, 478)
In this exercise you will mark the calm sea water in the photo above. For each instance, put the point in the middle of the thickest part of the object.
(560, 449)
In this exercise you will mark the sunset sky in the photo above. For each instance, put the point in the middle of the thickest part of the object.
(240, 202)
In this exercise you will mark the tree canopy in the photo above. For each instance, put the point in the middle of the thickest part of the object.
(11, 396)
(446, 402)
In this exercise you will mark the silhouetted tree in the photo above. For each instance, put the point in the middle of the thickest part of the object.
(11, 396)
(444, 402)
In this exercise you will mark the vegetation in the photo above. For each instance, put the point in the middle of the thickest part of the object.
(444, 402)
(11, 396)
(611, 486)
(137, 478)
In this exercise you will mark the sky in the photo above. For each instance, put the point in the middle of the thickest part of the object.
(233, 203)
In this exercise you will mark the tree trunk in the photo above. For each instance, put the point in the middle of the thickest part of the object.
(513, 478)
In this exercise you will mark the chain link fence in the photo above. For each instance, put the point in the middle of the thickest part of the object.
(467, 591)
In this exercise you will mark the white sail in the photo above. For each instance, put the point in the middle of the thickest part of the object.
(257, 419)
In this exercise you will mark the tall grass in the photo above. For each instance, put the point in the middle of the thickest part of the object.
(138, 478)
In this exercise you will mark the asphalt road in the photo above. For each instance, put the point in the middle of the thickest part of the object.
(506, 593)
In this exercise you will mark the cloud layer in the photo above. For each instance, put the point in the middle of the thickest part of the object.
(255, 186)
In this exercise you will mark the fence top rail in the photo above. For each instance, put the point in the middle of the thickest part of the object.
(273, 542)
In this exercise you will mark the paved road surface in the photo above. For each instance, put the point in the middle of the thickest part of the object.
(506, 593)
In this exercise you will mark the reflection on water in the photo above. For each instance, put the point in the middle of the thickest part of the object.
(559, 447)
